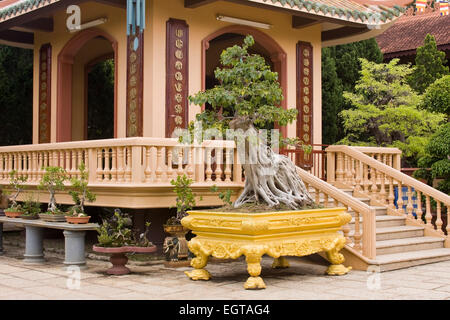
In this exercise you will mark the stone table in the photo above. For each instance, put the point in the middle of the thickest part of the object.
(74, 235)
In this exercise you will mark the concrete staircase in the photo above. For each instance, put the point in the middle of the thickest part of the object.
(399, 245)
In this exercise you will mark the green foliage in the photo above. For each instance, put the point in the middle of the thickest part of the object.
(80, 193)
(437, 96)
(16, 182)
(52, 181)
(385, 111)
(32, 206)
(185, 197)
(225, 195)
(332, 100)
(115, 231)
(346, 68)
(247, 89)
(16, 95)
(437, 158)
(430, 65)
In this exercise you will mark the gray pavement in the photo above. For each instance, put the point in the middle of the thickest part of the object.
(305, 279)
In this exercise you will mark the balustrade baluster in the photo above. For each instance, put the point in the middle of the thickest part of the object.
(46, 164)
(448, 222)
(357, 235)
(128, 164)
(358, 176)
(148, 170)
(120, 164)
(80, 159)
(2, 169)
(346, 228)
(428, 215)
(380, 159)
(170, 172)
(374, 187)
(73, 170)
(61, 159)
(180, 162)
(317, 195)
(353, 172)
(113, 164)
(208, 170)
(366, 181)
(438, 217)
(348, 171)
(191, 165)
(409, 204)
(419, 211)
(227, 165)
(400, 201)
(106, 169)
(339, 165)
(159, 164)
(325, 200)
(383, 189)
(99, 164)
(219, 163)
(391, 196)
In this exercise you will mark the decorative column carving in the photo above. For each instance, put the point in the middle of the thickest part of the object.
(45, 75)
(305, 100)
(135, 67)
(177, 73)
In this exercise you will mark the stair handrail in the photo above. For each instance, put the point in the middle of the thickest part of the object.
(368, 238)
(389, 171)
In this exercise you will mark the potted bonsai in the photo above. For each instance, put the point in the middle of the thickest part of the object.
(274, 214)
(31, 208)
(52, 181)
(117, 238)
(175, 246)
(80, 194)
(16, 182)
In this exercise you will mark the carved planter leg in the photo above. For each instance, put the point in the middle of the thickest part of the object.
(254, 269)
(199, 262)
(118, 260)
(336, 258)
(279, 263)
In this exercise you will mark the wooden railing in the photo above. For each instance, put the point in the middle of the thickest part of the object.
(363, 240)
(348, 166)
(127, 161)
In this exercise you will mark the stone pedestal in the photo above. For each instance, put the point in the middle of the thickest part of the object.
(74, 248)
(34, 250)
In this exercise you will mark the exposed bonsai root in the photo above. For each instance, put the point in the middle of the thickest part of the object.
(272, 179)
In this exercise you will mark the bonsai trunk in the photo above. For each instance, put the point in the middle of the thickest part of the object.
(52, 202)
(269, 177)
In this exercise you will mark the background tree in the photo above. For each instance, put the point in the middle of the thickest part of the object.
(438, 159)
(16, 95)
(249, 95)
(385, 112)
(430, 65)
(332, 99)
(437, 96)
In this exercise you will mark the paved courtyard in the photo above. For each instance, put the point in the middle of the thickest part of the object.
(305, 279)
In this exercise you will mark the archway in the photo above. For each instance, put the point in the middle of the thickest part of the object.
(265, 45)
(66, 60)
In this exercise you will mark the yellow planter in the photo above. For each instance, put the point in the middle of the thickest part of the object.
(228, 235)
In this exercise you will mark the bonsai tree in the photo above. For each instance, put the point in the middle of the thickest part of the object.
(32, 206)
(248, 96)
(225, 196)
(16, 183)
(185, 198)
(116, 231)
(80, 193)
(52, 181)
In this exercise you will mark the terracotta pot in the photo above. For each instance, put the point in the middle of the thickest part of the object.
(77, 220)
(175, 229)
(13, 214)
(118, 258)
(52, 217)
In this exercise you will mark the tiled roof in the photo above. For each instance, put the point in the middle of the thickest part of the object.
(358, 11)
(408, 32)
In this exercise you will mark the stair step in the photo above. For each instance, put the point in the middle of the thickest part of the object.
(383, 221)
(347, 191)
(399, 232)
(412, 258)
(408, 244)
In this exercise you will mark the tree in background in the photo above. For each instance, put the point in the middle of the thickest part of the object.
(332, 99)
(437, 158)
(437, 97)
(347, 68)
(430, 65)
(16, 95)
(385, 112)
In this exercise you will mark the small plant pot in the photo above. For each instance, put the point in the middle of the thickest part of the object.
(13, 214)
(175, 230)
(77, 220)
(28, 217)
(118, 258)
(52, 217)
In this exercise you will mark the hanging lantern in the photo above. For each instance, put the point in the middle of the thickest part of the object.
(443, 7)
(421, 5)
(135, 16)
